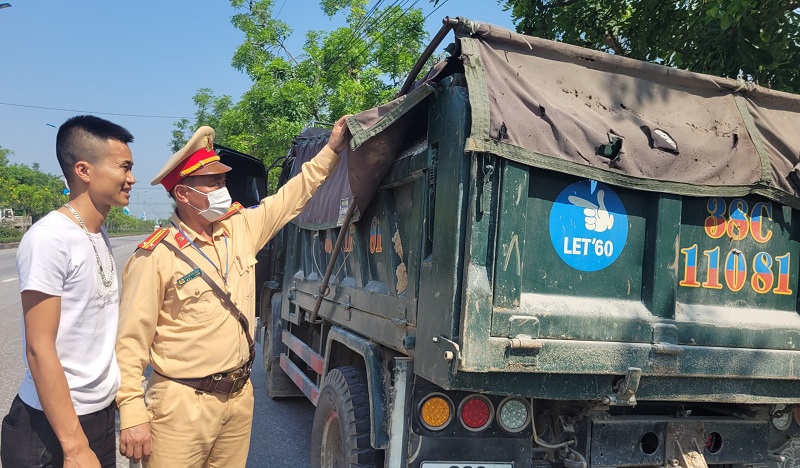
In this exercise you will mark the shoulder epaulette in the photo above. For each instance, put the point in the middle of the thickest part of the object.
(154, 238)
(235, 208)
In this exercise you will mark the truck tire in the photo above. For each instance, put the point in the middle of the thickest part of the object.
(341, 433)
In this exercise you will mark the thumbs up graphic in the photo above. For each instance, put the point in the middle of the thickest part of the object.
(598, 219)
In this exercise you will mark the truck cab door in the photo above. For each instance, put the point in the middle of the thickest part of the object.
(247, 181)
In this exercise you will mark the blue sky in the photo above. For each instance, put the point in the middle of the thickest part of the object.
(143, 58)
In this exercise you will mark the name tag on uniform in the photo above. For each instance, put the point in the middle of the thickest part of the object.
(196, 273)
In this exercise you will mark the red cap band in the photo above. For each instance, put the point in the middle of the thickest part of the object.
(189, 165)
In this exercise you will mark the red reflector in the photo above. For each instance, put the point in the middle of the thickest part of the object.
(475, 413)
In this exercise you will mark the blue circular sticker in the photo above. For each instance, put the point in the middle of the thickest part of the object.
(588, 225)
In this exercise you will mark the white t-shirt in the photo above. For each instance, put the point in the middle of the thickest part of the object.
(56, 257)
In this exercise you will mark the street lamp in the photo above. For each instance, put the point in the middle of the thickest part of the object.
(4, 5)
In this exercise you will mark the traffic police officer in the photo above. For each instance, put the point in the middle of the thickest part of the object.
(184, 294)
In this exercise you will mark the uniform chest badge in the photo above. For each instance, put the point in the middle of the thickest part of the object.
(196, 273)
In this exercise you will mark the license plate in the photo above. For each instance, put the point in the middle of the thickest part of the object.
(466, 465)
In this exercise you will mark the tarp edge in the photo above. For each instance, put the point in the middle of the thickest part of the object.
(542, 161)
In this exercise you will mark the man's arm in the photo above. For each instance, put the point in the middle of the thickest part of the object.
(140, 303)
(42, 315)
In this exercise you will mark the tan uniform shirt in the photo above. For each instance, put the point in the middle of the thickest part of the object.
(187, 332)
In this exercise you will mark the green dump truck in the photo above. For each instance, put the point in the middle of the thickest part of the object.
(542, 255)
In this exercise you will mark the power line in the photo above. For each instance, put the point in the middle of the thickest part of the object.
(434, 10)
(94, 112)
(361, 34)
(381, 33)
(399, 17)
(355, 32)
(280, 41)
(353, 44)
(279, 10)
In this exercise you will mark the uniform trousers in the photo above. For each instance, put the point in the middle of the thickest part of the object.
(195, 429)
(28, 439)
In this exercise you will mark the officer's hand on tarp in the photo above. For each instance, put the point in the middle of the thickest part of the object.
(340, 135)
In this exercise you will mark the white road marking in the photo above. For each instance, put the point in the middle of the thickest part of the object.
(9, 280)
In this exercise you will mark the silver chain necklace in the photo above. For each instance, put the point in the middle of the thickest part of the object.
(109, 281)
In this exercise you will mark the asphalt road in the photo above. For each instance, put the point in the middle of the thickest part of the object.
(281, 428)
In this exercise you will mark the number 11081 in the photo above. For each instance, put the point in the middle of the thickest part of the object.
(735, 272)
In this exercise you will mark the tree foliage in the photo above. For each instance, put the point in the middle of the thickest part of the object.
(758, 40)
(28, 190)
(349, 69)
(118, 222)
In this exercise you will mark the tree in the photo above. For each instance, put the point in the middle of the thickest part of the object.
(352, 68)
(4, 154)
(757, 40)
(119, 222)
(208, 108)
(28, 190)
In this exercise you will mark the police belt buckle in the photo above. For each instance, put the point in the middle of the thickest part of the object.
(239, 382)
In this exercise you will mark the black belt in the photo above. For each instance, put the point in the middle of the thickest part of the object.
(225, 383)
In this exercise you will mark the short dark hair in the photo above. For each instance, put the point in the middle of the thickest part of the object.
(77, 136)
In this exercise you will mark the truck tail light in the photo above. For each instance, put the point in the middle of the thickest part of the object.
(513, 414)
(436, 411)
(476, 412)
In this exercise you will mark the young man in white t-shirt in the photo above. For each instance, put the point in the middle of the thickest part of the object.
(64, 412)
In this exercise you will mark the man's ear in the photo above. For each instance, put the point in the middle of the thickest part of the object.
(179, 194)
(82, 169)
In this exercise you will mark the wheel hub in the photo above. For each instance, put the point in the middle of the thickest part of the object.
(331, 453)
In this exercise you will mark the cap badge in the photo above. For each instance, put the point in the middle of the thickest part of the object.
(208, 144)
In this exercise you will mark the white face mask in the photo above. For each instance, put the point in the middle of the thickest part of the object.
(219, 201)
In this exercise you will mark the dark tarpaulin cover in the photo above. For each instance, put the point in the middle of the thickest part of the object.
(322, 210)
(361, 169)
(556, 106)
(595, 115)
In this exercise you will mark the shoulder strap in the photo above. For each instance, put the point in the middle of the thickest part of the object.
(154, 238)
(226, 299)
(235, 208)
